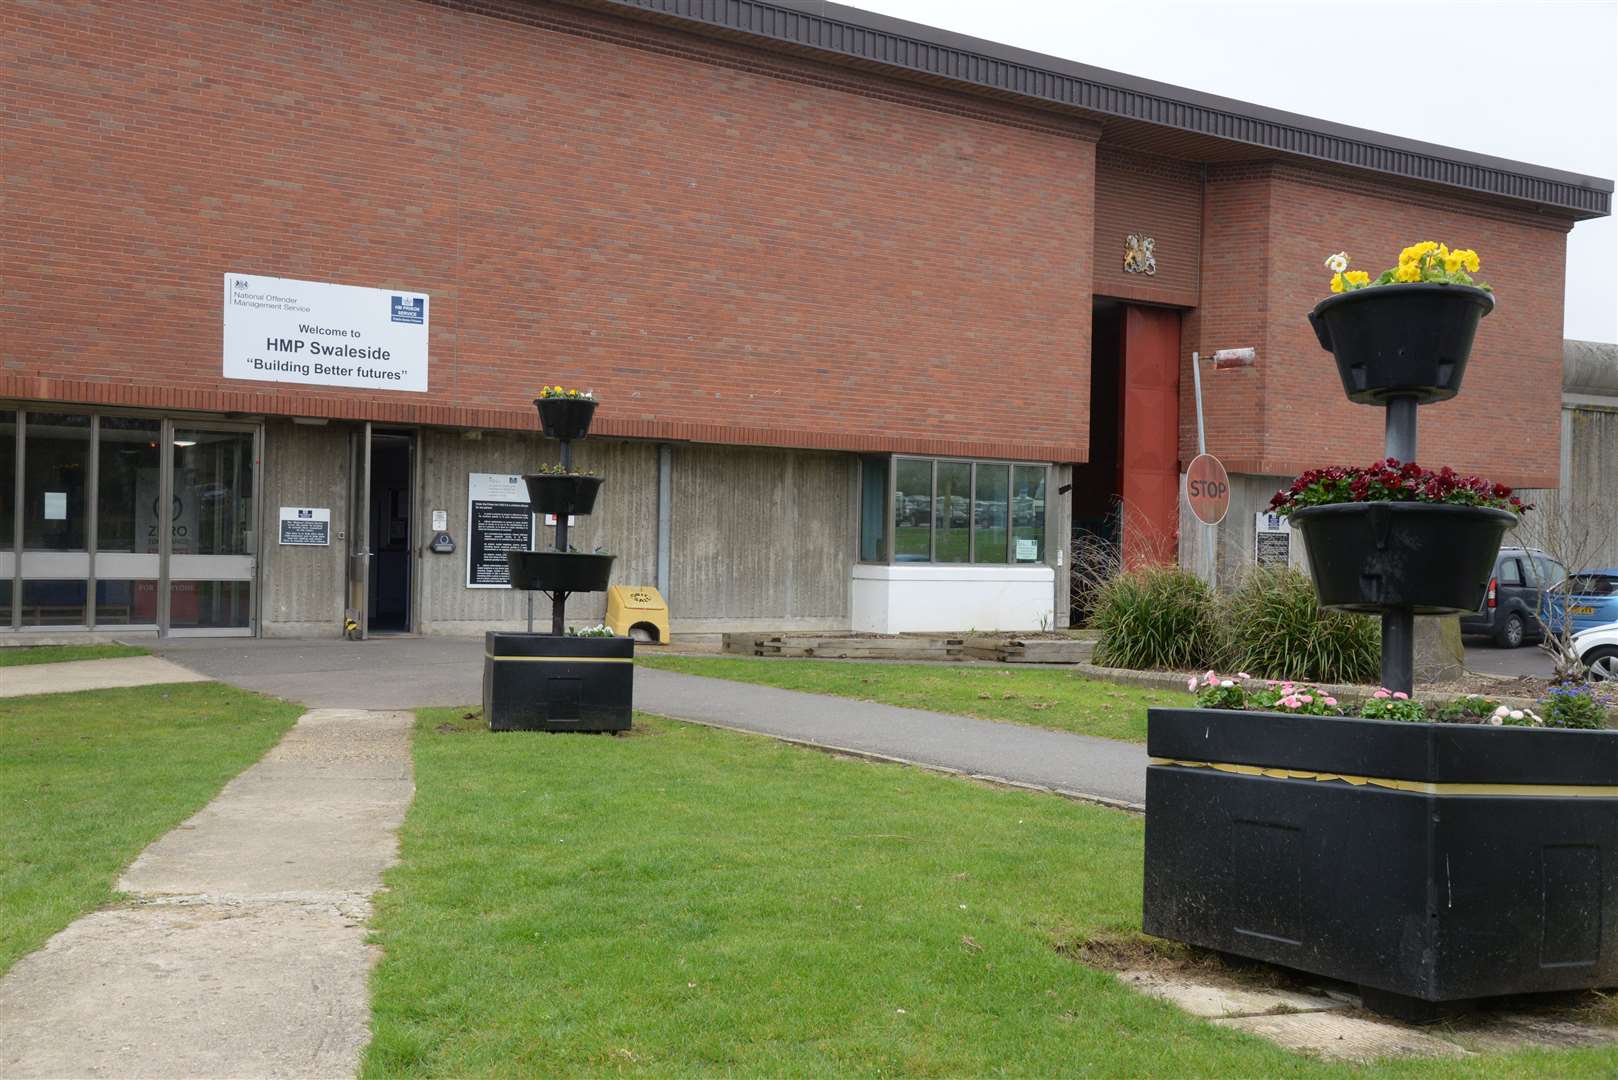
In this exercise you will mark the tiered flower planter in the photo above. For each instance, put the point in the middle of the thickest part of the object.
(553, 682)
(1430, 864)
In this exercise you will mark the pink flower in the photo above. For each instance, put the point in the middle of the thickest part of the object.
(1191, 684)
(1243, 675)
(1400, 695)
(1209, 675)
(1383, 693)
(1331, 701)
(1306, 698)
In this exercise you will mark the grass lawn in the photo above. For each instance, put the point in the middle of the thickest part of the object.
(685, 901)
(1042, 697)
(15, 656)
(90, 779)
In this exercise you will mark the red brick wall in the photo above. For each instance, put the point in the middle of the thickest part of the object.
(727, 245)
(1161, 198)
(1289, 412)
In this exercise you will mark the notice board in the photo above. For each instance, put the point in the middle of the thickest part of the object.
(498, 520)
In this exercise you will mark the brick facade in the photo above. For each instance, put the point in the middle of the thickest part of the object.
(1269, 230)
(1136, 193)
(729, 245)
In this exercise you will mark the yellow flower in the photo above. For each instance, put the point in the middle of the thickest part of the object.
(1358, 278)
(1415, 252)
(1408, 272)
(1337, 283)
(1468, 258)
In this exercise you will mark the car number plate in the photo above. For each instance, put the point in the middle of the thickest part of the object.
(1582, 609)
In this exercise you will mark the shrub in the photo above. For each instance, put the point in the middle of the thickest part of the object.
(1159, 617)
(1467, 709)
(1277, 630)
(1574, 705)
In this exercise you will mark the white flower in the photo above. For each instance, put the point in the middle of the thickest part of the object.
(1495, 720)
(1337, 263)
(1191, 684)
(1226, 682)
(1502, 711)
(1516, 714)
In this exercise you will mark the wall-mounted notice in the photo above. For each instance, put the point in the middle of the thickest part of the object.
(318, 334)
(498, 520)
(1272, 540)
(306, 526)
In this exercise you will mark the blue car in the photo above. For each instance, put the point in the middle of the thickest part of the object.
(1591, 600)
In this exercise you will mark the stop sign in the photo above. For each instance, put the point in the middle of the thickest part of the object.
(1207, 489)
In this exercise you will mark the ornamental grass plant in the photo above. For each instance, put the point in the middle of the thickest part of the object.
(1275, 628)
(1159, 617)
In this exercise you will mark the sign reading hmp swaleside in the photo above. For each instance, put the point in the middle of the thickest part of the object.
(1207, 489)
(318, 334)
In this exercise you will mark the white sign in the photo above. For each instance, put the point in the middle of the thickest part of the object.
(1027, 549)
(550, 521)
(1272, 539)
(498, 520)
(440, 520)
(317, 334)
(56, 506)
(306, 526)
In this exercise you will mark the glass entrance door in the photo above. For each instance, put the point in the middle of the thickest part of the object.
(212, 534)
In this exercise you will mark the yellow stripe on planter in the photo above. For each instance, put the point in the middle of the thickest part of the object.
(560, 659)
(1421, 787)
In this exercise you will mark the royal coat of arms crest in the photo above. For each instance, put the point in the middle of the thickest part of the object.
(1140, 255)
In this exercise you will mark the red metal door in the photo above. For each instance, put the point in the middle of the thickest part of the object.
(1151, 436)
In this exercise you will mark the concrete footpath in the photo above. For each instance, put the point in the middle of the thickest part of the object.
(241, 951)
(92, 675)
(403, 673)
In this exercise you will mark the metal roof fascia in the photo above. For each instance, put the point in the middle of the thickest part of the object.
(864, 35)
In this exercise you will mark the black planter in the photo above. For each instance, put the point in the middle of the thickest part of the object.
(562, 495)
(540, 682)
(1431, 558)
(565, 418)
(1476, 861)
(1401, 340)
(559, 571)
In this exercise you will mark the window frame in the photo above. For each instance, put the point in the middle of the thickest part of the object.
(891, 527)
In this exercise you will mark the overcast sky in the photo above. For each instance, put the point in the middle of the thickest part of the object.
(1527, 81)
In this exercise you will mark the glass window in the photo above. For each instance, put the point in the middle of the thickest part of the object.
(1028, 513)
(209, 604)
(128, 482)
(213, 493)
(53, 603)
(1551, 573)
(1510, 572)
(8, 481)
(1593, 585)
(126, 603)
(873, 501)
(55, 475)
(912, 510)
(952, 512)
(990, 513)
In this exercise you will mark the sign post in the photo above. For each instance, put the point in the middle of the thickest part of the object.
(1207, 492)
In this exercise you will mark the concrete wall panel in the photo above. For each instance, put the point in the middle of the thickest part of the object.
(761, 539)
(303, 586)
(625, 523)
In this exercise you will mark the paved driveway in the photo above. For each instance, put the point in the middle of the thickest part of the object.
(404, 673)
